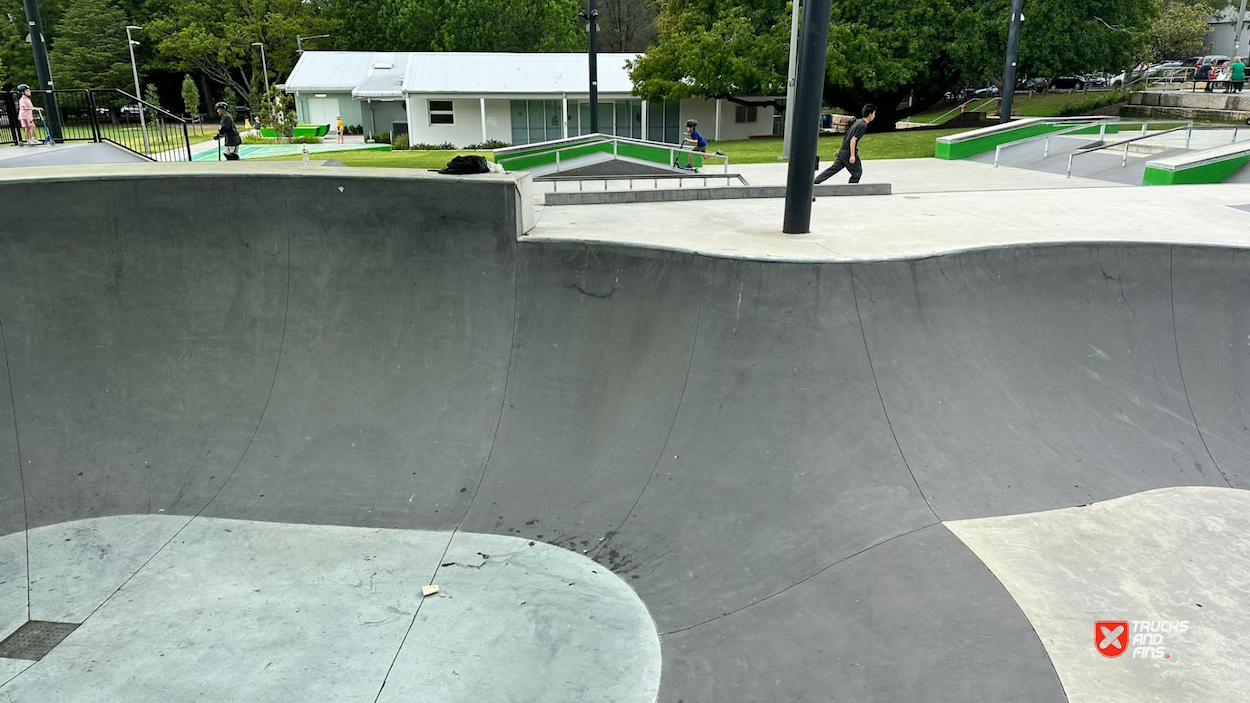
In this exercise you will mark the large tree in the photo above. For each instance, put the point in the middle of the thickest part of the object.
(1180, 30)
(457, 25)
(90, 49)
(626, 25)
(15, 52)
(884, 52)
(216, 38)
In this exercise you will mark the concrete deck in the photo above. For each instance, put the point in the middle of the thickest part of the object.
(834, 476)
(975, 206)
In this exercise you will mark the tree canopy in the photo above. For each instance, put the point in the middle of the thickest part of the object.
(1179, 31)
(91, 49)
(217, 38)
(884, 52)
(457, 25)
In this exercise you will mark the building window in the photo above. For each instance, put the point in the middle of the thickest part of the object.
(744, 113)
(441, 112)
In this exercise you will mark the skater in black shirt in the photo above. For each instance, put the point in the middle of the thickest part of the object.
(848, 156)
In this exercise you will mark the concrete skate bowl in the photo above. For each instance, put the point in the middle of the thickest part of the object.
(764, 452)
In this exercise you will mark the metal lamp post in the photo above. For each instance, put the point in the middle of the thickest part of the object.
(794, 57)
(134, 69)
(809, 84)
(43, 72)
(591, 15)
(1013, 51)
(299, 41)
(1237, 29)
(263, 66)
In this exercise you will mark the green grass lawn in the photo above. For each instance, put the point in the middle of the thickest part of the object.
(1048, 105)
(385, 159)
(902, 144)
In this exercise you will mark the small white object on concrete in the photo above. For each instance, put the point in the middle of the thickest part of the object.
(428, 590)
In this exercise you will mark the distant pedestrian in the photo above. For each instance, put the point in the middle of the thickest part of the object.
(1238, 73)
(26, 114)
(848, 155)
(338, 126)
(229, 134)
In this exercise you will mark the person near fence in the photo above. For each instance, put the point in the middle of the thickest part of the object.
(26, 114)
(229, 134)
(848, 155)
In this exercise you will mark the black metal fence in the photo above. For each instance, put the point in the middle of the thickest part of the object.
(100, 115)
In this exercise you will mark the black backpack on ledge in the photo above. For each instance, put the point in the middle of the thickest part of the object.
(461, 165)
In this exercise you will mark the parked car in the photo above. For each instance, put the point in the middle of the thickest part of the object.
(1077, 82)
(130, 109)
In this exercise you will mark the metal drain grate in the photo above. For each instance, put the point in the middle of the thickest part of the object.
(35, 639)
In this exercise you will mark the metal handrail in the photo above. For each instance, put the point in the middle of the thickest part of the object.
(1102, 131)
(655, 178)
(598, 138)
(594, 140)
(1189, 125)
(961, 107)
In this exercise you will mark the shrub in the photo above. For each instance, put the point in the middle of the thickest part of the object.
(399, 143)
(304, 139)
(488, 145)
(445, 146)
(1093, 103)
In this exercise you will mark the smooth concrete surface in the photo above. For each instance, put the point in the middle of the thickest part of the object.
(919, 619)
(13, 587)
(524, 621)
(250, 610)
(76, 566)
(714, 192)
(65, 154)
(915, 225)
(761, 449)
(1177, 554)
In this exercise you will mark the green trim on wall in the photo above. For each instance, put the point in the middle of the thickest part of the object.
(965, 148)
(547, 155)
(1214, 172)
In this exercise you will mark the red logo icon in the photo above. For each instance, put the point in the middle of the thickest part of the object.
(1111, 637)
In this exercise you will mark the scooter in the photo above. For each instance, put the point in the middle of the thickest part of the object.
(47, 132)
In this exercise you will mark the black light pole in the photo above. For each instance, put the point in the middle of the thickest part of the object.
(591, 15)
(1013, 51)
(809, 86)
(42, 71)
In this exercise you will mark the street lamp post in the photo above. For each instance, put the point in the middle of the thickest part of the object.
(263, 66)
(1237, 28)
(299, 41)
(794, 58)
(43, 72)
(591, 15)
(1013, 52)
(134, 69)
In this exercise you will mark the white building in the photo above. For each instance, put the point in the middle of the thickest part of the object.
(468, 98)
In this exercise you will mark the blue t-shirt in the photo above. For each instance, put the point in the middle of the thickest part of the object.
(698, 138)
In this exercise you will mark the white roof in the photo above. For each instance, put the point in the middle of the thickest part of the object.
(383, 74)
(331, 71)
(386, 77)
(484, 73)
